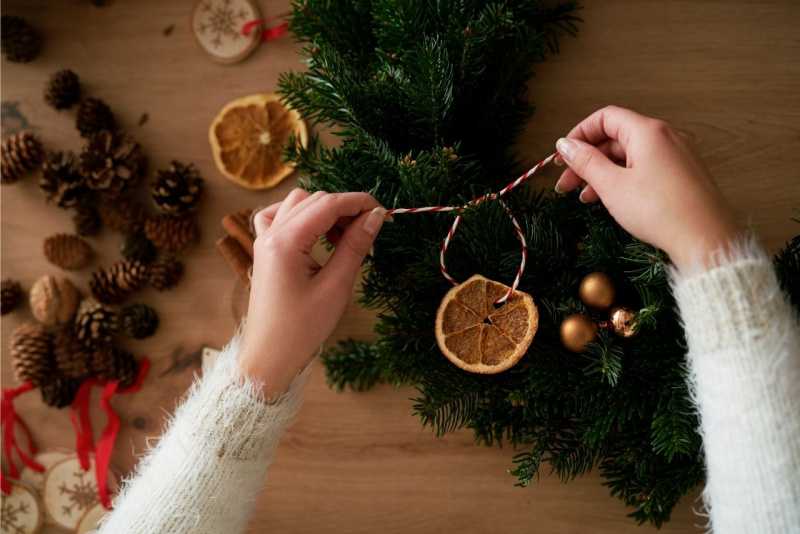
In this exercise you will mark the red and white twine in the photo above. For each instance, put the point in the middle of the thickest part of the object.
(475, 202)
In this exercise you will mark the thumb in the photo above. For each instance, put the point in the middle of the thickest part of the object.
(587, 161)
(354, 245)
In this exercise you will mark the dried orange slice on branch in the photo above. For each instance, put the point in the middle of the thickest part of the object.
(248, 138)
(479, 337)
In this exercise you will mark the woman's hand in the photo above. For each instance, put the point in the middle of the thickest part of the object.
(651, 180)
(294, 302)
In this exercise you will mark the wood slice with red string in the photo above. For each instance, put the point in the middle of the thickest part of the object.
(217, 27)
(90, 521)
(21, 510)
(47, 459)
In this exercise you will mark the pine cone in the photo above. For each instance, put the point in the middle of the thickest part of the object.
(177, 189)
(165, 273)
(59, 391)
(112, 163)
(109, 363)
(112, 285)
(67, 251)
(19, 41)
(62, 182)
(172, 234)
(32, 353)
(123, 215)
(95, 324)
(138, 321)
(12, 295)
(87, 221)
(63, 90)
(136, 247)
(73, 360)
(93, 117)
(21, 152)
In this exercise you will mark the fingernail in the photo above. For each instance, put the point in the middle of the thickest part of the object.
(558, 189)
(580, 197)
(388, 218)
(567, 148)
(559, 161)
(374, 221)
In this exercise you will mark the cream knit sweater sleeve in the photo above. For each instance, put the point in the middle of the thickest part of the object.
(204, 475)
(744, 365)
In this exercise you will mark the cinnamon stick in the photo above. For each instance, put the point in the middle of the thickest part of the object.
(236, 257)
(238, 227)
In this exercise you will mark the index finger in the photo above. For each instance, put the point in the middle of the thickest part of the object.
(611, 122)
(306, 227)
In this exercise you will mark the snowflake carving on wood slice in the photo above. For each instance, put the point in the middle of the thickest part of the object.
(217, 27)
(69, 491)
(21, 511)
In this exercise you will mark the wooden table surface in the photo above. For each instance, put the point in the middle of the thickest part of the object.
(727, 73)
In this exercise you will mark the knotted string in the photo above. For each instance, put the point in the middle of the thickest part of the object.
(9, 420)
(269, 33)
(475, 202)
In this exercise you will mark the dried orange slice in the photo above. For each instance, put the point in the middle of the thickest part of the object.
(248, 138)
(477, 336)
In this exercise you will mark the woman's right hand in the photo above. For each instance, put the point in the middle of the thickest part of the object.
(651, 180)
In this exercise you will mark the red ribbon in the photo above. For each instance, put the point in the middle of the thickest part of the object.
(9, 420)
(105, 444)
(269, 33)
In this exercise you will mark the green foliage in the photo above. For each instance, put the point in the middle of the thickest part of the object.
(787, 265)
(427, 97)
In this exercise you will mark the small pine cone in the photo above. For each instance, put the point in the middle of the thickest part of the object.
(67, 251)
(87, 221)
(94, 116)
(19, 41)
(73, 360)
(32, 353)
(172, 234)
(95, 324)
(112, 163)
(59, 391)
(112, 285)
(123, 215)
(21, 153)
(136, 247)
(63, 90)
(109, 363)
(165, 273)
(178, 189)
(62, 182)
(12, 295)
(138, 321)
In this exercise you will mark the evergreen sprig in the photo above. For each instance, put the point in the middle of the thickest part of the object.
(427, 98)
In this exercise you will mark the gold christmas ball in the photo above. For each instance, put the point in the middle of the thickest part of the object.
(577, 331)
(597, 291)
(53, 300)
(623, 321)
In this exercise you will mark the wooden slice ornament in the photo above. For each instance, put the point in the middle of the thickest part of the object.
(69, 491)
(479, 337)
(90, 521)
(46, 458)
(21, 512)
(217, 29)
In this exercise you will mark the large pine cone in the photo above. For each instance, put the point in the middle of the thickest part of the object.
(12, 295)
(138, 321)
(112, 163)
(21, 153)
(165, 273)
(123, 215)
(59, 391)
(136, 247)
(63, 90)
(73, 359)
(87, 221)
(172, 234)
(94, 116)
(62, 182)
(112, 285)
(109, 363)
(177, 189)
(32, 353)
(19, 41)
(67, 251)
(95, 324)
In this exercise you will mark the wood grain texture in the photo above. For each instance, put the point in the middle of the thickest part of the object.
(725, 72)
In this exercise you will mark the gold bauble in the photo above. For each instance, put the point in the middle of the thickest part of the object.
(577, 331)
(597, 291)
(623, 321)
(53, 300)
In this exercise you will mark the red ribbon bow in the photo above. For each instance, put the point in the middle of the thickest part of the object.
(9, 421)
(269, 33)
